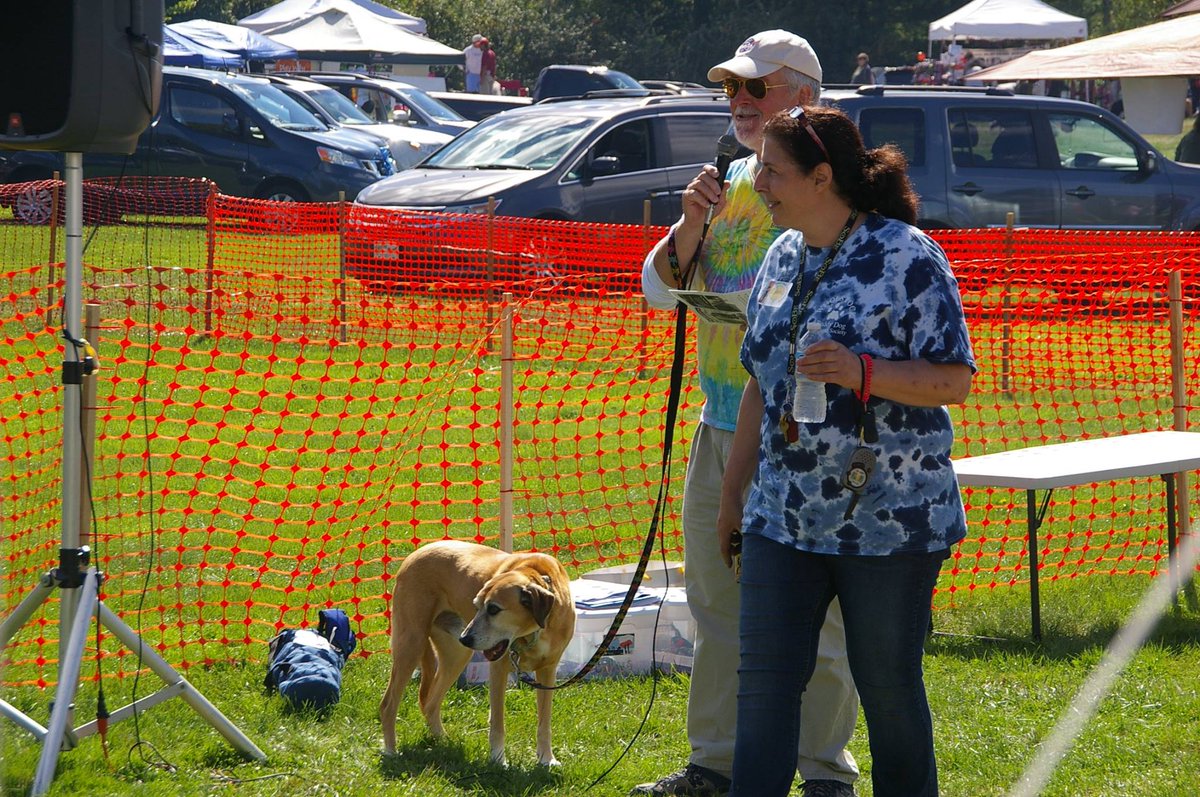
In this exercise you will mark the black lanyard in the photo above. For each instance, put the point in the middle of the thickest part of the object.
(798, 308)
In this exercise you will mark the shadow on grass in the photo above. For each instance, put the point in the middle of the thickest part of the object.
(450, 760)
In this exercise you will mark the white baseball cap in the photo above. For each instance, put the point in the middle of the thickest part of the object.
(766, 52)
(476, 37)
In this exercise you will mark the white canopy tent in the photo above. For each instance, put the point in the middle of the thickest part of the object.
(343, 30)
(1152, 63)
(292, 10)
(1027, 20)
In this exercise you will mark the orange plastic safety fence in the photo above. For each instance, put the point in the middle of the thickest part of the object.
(292, 397)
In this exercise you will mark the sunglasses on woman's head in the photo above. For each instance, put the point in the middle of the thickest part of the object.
(755, 86)
(800, 116)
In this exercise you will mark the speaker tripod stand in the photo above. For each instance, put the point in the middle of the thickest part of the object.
(76, 581)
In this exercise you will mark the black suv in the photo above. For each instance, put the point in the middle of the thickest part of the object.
(977, 154)
(575, 80)
(239, 131)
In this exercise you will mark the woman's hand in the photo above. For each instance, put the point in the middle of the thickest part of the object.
(830, 361)
(729, 520)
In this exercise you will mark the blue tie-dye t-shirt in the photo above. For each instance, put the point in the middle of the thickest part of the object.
(888, 293)
(736, 244)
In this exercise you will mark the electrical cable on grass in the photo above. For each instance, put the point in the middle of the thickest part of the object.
(150, 514)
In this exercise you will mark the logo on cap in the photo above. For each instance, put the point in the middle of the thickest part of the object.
(747, 46)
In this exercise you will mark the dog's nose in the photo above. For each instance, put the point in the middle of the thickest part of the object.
(468, 640)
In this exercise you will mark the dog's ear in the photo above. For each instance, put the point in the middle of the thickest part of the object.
(538, 601)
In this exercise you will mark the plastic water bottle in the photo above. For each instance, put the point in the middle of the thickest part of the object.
(808, 400)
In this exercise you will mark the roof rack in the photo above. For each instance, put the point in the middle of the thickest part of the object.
(880, 88)
(648, 96)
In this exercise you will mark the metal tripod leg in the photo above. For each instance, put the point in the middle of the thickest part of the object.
(71, 659)
(25, 609)
(199, 703)
(8, 629)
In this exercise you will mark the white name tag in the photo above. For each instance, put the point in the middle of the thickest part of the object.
(774, 293)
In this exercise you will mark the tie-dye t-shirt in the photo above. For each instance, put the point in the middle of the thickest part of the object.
(736, 244)
(888, 293)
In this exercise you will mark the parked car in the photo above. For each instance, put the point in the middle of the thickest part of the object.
(237, 130)
(575, 80)
(408, 145)
(593, 160)
(394, 102)
(477, 107)
(977, 154)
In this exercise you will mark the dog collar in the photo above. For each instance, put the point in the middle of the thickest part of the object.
(521, 645)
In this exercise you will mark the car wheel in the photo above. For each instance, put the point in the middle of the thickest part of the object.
(33, 205)
(283, 193)
(280, 218)
(541, 257)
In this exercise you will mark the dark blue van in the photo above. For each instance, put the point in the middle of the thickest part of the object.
(237, 130)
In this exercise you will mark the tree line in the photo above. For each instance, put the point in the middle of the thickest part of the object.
(680, 39)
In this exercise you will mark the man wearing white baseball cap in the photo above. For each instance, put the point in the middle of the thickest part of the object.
(473, 62)
(771, 71)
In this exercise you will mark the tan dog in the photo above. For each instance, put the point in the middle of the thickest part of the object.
(518, 602)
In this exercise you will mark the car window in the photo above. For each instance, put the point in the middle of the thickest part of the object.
(629, 144)
(999, 138)
(338, 106)
(433, 108)
(204, 112)
(1084, 142)
(280, 109)
(692, 138)
(904, 127)
(532, 141)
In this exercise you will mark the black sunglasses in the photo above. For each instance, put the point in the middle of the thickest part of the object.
(798, 114)
(756, 86)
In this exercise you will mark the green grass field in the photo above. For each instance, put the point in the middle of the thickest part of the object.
(994, 697)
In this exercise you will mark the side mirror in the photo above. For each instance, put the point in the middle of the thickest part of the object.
(605, 165)
(1148, 162)
(401, 115)
(231, 125)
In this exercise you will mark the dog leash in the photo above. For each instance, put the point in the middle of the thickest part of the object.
(672, 411)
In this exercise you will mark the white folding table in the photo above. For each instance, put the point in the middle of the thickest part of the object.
(1082, 462)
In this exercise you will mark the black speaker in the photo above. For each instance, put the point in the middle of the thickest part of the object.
(79, 75)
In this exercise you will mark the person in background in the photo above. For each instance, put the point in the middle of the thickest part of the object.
(1188, 150)
(487, 70)
(863, 76)
(473, 63)
(770, 71)
(864, 506)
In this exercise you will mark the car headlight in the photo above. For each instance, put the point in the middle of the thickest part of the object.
(337, 158)
(475, 207)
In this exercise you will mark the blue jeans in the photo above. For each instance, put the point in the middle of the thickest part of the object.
(886, 605)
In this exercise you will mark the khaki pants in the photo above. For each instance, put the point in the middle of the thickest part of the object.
(830, 702)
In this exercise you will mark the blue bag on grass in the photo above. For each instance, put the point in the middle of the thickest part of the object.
(334, 625)
(305, 666)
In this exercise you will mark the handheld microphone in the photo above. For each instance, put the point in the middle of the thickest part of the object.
(727, 147)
